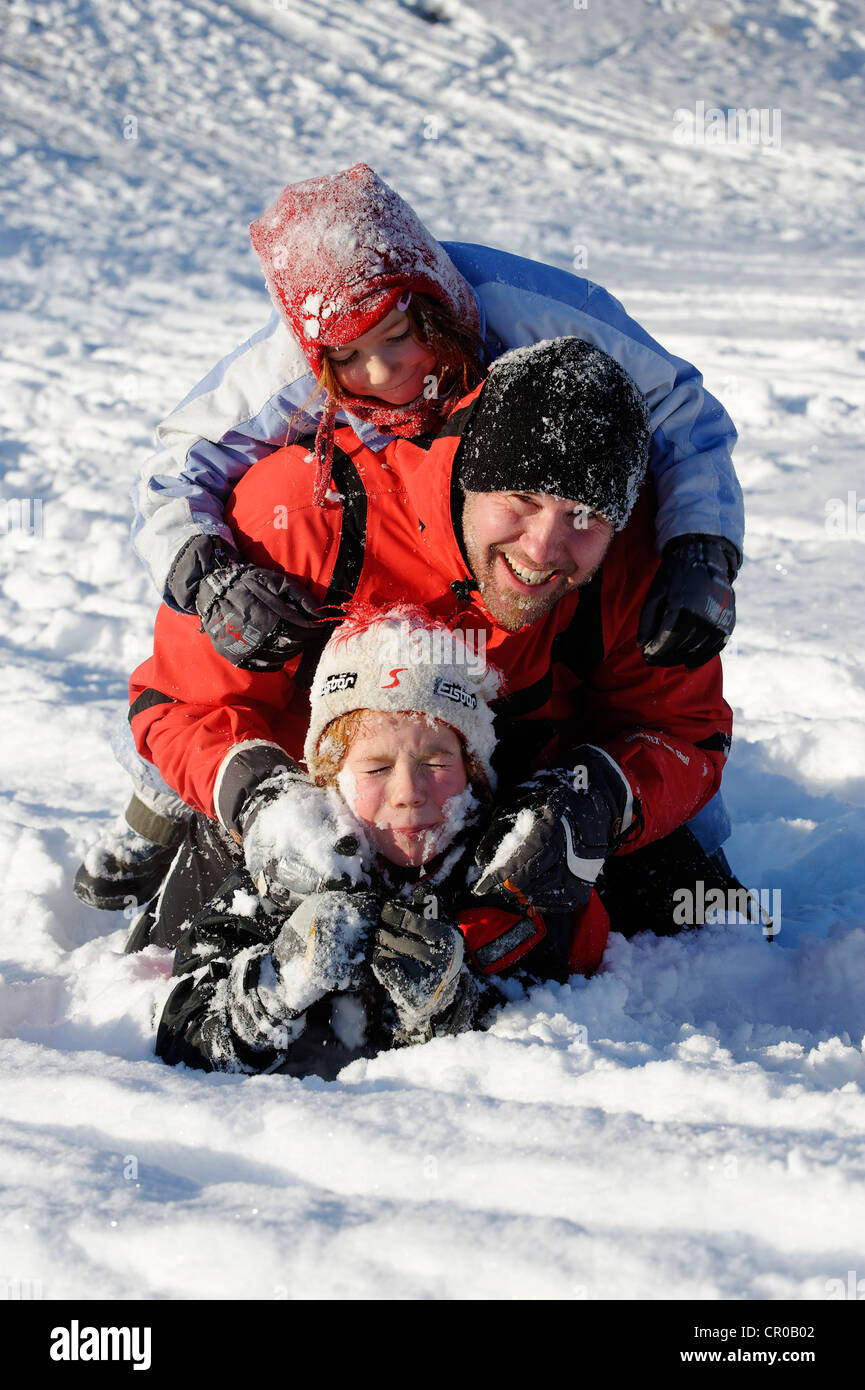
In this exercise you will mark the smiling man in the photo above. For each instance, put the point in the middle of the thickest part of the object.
(519, 523)
(530, 539)
(527, 550)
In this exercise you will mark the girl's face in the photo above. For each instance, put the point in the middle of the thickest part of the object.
(397, 775)
(387, 362)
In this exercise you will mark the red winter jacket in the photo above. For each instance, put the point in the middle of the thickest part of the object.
(389, 533)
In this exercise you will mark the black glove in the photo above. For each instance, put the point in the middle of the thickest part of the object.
(690, 609)
(547, 845)
(300, 839)
(418, 961)
(258, 619)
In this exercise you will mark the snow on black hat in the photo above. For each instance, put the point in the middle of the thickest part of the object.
(560, 417)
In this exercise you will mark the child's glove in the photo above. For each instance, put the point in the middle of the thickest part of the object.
(300, 839)
(690, 609)
(547, 844)
(258, 619)
(419, 962)
(322, 947)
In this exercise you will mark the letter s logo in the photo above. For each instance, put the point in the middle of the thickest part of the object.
(395, 682)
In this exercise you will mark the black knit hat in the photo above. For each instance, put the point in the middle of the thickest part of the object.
(559, 417)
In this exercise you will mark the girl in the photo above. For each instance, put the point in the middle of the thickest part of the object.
(378, 325)
(345, 926)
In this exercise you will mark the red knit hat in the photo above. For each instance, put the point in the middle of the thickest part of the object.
(339, 251)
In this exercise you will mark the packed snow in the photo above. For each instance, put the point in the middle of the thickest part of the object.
(689, 1122)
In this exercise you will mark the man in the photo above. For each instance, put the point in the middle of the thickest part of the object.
(521, 523)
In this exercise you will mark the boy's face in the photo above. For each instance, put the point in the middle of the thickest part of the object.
(397, 776)
(528, 549)
(387, 362)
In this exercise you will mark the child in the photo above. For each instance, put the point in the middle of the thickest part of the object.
(370, 309)
(351, 927)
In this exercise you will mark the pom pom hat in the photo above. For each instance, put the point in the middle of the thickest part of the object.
(560, 417)
(339, 253)
(400, 660)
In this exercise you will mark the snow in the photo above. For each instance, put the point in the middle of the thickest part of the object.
(512, 840)
(302, 827)
(687, 1124)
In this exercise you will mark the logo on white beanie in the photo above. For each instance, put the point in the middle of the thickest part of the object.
(400, 660)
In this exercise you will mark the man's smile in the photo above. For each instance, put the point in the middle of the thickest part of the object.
(521, 575)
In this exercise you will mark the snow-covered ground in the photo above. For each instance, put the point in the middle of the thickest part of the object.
(687, 1124)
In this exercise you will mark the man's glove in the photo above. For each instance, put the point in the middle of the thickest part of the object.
(258, 619)
(547, 844)
(300, 839)
(690, 609)
(418, 961)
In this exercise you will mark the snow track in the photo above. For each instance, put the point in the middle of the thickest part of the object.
(688, 1124)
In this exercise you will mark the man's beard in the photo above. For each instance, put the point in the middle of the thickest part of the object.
(513, 610)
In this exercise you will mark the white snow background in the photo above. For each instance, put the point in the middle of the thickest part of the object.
(687, 1124)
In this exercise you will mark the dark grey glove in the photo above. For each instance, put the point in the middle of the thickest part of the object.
(258, 619)
(419, 962)
(690, 609)
(547, 843)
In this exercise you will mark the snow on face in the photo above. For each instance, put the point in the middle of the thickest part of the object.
(407, 779)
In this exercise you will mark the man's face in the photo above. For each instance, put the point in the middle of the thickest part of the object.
(528, 549)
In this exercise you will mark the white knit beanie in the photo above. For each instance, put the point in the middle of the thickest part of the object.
(399, 660)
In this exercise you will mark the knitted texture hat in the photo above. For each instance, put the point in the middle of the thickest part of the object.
(400, 660)
(560, 417)
(338, 254)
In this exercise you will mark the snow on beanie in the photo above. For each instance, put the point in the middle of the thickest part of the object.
(399, 660)
(560, 417)
(339, 253)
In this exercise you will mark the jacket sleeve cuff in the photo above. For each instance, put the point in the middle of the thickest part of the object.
(628, 811)
(241, 771)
